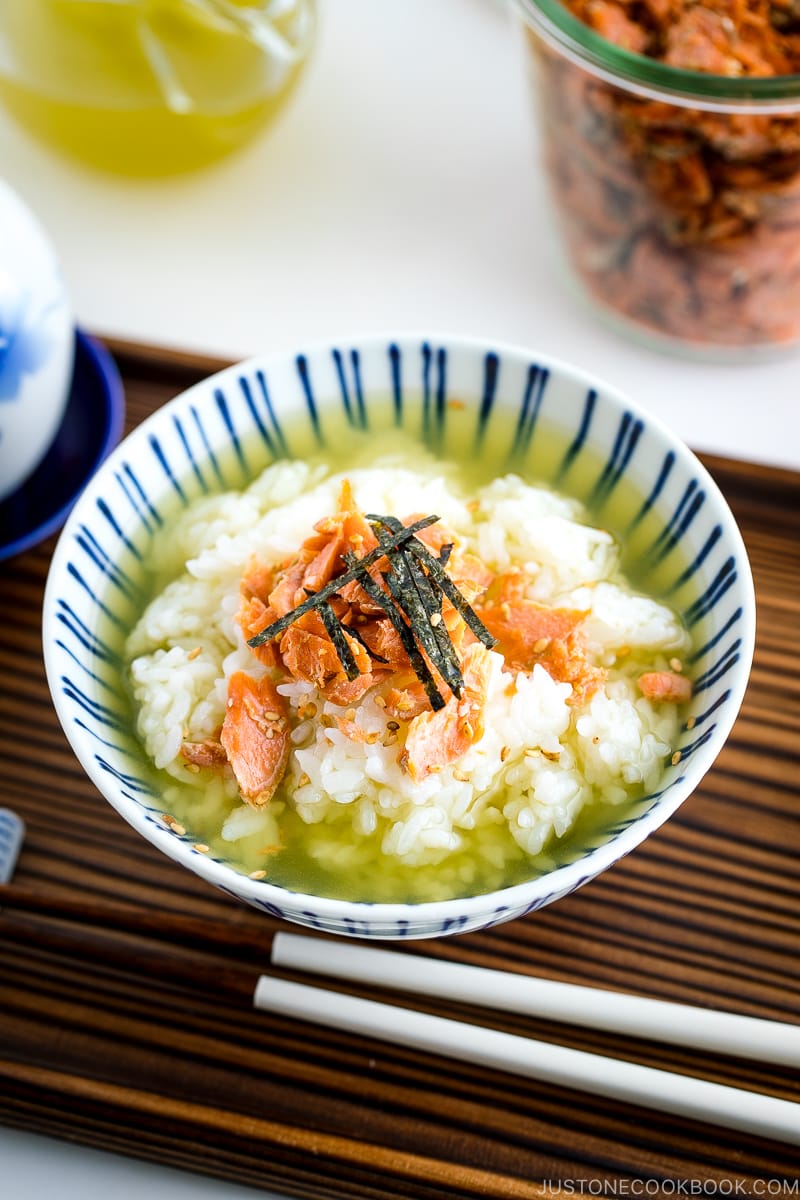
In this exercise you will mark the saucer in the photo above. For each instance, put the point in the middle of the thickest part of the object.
(92, 426)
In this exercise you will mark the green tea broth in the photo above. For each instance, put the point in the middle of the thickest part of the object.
(489, 858)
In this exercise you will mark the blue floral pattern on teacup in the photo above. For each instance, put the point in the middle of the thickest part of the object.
(25, 340)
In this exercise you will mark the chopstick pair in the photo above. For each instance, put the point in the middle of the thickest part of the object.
(699, 1099)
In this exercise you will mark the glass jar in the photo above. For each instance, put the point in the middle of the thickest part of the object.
(150, 87)
(677, 192)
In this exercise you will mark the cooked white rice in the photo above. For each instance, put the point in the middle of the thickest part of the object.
(540, 761)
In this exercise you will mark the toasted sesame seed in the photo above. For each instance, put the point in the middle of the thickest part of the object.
(676, 758)
(256, 874)
(380, 701)
(691, 722)
(436, 619)
(201, 847)
(303, 780)
(505, 609)
(271, 715)
(350, 714)
(389, 740)
(372, 738)
(532, 752)
(198, 650)
(461, 776)
(192, 768)
(676, 665)
(173, 824)
(504, 753)
(551, 755)
(540, 645)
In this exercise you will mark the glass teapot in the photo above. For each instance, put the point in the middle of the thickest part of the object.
(150, 86)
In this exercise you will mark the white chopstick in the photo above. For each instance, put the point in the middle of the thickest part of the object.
(684, 1095)
(633, 1016)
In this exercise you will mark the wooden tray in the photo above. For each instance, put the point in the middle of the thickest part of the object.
(125, 982)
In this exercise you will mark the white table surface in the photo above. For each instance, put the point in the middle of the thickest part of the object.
(399, 191)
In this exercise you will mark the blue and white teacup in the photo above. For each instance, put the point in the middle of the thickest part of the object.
(36, 342)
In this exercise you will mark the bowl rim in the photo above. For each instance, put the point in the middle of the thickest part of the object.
(522, 896)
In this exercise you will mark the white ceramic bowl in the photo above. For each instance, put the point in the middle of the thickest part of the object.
(224, 430)
(36, 342)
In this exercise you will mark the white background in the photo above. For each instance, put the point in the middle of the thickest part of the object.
(398, 191)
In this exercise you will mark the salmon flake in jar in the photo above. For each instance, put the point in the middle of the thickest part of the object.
(671, 142)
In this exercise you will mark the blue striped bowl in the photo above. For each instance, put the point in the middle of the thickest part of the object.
(515, 402)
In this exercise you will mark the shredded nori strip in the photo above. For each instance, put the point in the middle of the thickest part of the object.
(415, 595)
(452, 593)
(447, 663)
(336, 633)
(358, 570)
(421, 669)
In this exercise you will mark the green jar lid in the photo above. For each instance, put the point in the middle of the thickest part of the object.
(649, 77)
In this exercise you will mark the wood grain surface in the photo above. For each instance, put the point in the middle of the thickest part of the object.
(126, 982)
